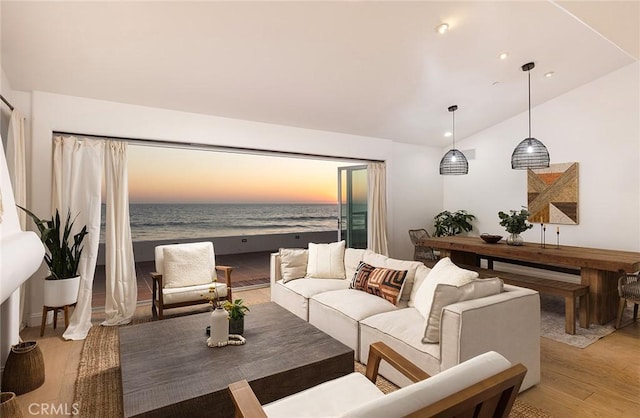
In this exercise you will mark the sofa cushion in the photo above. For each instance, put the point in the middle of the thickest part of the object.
(446, 294)
(421, 273)
(352, 258)
(308, 287)
(188, 264)
(443, 272)
(326, 261)
(293, 263)
(355, 304)
(329, 399)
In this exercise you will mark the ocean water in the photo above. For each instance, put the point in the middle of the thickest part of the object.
(150, 222)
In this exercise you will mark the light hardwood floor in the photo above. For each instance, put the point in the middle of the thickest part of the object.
(602, 380)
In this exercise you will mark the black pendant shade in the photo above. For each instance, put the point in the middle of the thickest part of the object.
(454, 162)
(530, 153)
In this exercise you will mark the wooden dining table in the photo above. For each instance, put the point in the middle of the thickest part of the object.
(599, 268)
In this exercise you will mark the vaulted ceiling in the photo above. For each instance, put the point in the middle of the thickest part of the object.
(367, 68)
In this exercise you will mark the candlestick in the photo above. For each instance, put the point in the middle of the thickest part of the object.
(542, 234)
(557, 237)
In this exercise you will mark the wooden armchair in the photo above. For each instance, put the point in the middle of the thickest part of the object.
(484, 386)
(184, 274)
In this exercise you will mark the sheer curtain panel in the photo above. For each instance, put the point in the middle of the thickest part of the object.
(377, 218)
(77, 175)
(121, 286)
(17, 165)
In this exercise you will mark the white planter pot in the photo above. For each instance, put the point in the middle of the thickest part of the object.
(61, 292)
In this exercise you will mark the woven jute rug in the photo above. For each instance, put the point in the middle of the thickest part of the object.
(98, 389)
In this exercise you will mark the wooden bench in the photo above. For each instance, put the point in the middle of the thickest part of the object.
(570, 291)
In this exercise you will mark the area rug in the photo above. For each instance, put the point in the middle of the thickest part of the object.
(552, 325)
(98, 391)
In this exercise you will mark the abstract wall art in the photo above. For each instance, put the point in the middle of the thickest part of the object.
(552, 194)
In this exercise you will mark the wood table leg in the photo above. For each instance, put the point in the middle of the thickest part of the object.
(570, 315)
(603, 294)
(584, 310)
(44, 320)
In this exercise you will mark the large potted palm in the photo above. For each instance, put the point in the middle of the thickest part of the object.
(62, 258)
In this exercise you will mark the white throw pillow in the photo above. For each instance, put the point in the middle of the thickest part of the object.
(326, 261)
(421, 273)
(293, 263)
(446, 294)
(188, 265)
(444, 272)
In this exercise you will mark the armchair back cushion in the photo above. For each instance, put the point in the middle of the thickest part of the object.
(418, 395)
(183, 265)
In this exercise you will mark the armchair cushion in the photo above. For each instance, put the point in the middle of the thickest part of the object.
(188, 264)
(293, 263)
(172, 295)
(329, 399)
(326, 261)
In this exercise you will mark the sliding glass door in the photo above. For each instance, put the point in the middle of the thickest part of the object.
(352, 205)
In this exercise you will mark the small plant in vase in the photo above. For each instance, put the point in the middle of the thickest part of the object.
(515, 223)
(237, 310)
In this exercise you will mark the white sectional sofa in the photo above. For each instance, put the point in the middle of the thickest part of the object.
(507, 321)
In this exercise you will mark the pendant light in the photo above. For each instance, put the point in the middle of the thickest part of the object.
(530, 153)
(454, 162)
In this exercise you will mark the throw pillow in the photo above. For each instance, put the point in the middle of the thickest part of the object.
(379, 281)
(352, 259)
(421, 273)
(359, 281)
(326, 261)
(446, 294)
(293, 263)
(188, 265)
(444, 272)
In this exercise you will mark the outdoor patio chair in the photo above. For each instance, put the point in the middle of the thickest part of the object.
(485, 386)
(628, 289)
(184, 275)
(421, 253)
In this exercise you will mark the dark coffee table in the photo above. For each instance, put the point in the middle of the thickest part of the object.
(168, 370)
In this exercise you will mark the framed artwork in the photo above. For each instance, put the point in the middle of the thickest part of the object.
(552, 194)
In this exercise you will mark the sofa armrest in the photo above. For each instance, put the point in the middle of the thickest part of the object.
(508, 323)
(275, 272)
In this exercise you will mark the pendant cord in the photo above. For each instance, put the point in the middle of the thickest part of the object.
(453, 129)
(529, 74)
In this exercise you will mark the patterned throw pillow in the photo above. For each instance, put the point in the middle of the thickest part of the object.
(359, 281)
(379, 281)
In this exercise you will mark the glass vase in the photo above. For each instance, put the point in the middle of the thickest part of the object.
(219, 326)
(515, 239)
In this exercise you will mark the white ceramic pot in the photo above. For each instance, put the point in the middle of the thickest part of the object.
(61, 292)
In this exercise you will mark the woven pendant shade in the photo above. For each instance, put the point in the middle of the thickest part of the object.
(530, 153)
(454, 162)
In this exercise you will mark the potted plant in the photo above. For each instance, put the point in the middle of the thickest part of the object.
(448, 223)
(237, 310)
(515, 222)
(62, 258)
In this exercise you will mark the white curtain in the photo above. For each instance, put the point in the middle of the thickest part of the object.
(121, 285)
(77, 175)
(377, 220)
(17, 164)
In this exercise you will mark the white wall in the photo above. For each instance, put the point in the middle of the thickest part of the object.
(597, 125)
(406, 172)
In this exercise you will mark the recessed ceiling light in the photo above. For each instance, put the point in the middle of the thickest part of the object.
(447, 134)
(442, 28)
(503, 56)
(549, 74)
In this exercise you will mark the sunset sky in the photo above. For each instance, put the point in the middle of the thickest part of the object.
(170, 175)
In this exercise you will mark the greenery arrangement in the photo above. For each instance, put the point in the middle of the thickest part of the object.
(448, 223)
(515, 222)
(62, 258)
(236, 309)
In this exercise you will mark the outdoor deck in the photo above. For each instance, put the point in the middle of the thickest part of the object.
(249, 269)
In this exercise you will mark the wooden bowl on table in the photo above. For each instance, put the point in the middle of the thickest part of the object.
(491, 239)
